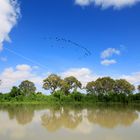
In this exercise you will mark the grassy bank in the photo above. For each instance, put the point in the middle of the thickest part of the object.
(76, 98)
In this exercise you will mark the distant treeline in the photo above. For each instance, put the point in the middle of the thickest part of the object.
(67, 90)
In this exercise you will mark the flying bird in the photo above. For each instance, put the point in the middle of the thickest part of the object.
(87, 52)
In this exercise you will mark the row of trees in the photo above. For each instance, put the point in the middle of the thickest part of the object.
(107, 85)
(104, 89)
(51, 83)
(103, 85)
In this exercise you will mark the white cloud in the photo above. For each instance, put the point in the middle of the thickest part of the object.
(83, 2)
(86, 75)
(82, 74)
(23, 67)
(117, 4)
(109, 52)
(108, 62)
(13, 76)
(9, 12)
(133, 78)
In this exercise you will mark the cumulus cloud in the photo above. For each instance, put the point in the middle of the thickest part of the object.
(82, 74)
(117, 4)
(9, 13)
(86, 75)
(13, 76)
(108, 62)
(23, 67)
(133, 78)
(109, 52)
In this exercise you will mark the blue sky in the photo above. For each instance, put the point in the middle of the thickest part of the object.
(106, 27)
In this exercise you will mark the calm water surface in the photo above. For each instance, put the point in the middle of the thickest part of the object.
(38, 122)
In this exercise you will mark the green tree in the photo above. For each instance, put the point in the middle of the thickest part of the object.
(0, 85)
(52, 82)
(123, 87)
(15, 91)
(27, 87)
(77, 96)
(70, 83)
(65, 87)
(39, 93)
(139, 88)
(104, 85)
(90, 87)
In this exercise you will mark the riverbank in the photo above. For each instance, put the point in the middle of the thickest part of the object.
(74, 98)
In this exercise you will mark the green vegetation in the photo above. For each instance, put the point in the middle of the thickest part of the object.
(66, 91)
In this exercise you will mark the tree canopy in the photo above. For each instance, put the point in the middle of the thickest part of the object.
(107, 85)
(52, 82)
(124, 87)
(27, 87)
(90, 87)
(15, 91)
(70, 83)
(139, 88)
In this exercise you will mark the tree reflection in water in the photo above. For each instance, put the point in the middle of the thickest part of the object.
(57, 119)
(71, 117)
(110, 118)
(23, 114)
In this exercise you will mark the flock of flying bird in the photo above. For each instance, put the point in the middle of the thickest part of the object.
(67, 43)
(86, 51)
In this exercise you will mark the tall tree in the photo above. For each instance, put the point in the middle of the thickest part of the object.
(123, 87)
(139, 88)
(27, 87)
(65, 87)
(0, 84)
(90, 87)
(70, 83)
(104, 85)
(52, 82)
(15, 91)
